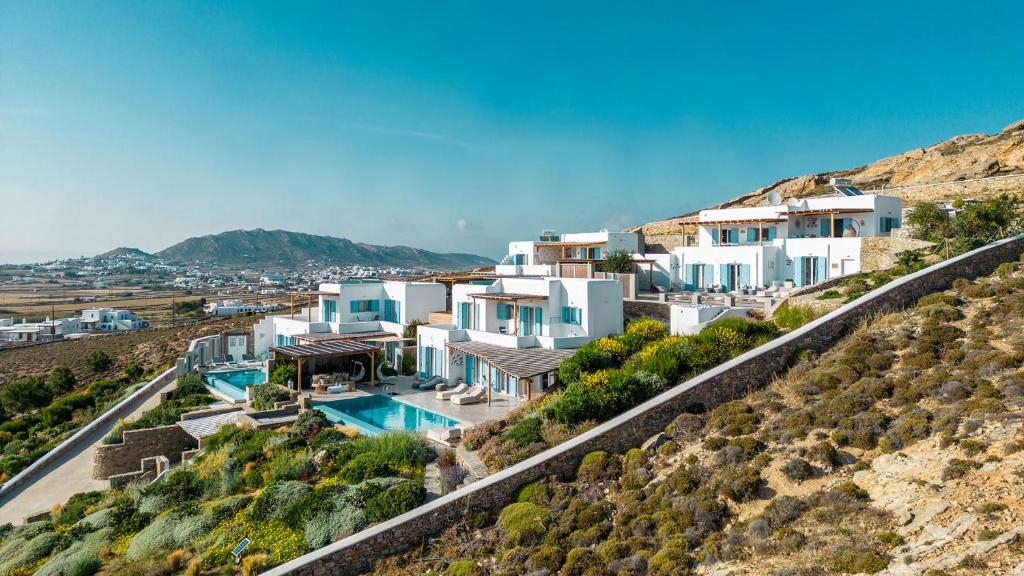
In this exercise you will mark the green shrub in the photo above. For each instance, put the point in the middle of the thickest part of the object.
(851, 489)
(282, 373)
(957, 468)
(74, 509)
(597, 466)
(619, 262)
(535, 492)
(279, 500)
(938, 298)
(734, 418)
(524, 522)
(265, 395)
(857, 561)
(525, 432)
(61, 380)
(461, 568)
(646, 329)
(890, 538)
(86, 567)
(942, 312)
(24, 394)
(98, 361)
(394, 501)
(797, 469)
(310, 422)
(830, 294)
(546, 558)
(792, 316)
(589, 358)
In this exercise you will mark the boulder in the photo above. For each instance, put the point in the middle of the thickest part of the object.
(654, 442)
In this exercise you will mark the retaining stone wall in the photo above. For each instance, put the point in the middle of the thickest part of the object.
(731, 380)
(113, 459)
(632, 309)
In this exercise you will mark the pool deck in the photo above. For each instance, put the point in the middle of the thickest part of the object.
(468, 415)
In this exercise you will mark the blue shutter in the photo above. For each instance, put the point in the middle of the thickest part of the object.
(353, 306)
(538, 320)
(709, 275)
(771, 233)
(798, 274)
(734, 235)
(565, 314)
(745, 274)
(714, 237)
(688, 275)
(723, 271)
(374, 305)
(751, 234)
(821, 266)
(825, 232)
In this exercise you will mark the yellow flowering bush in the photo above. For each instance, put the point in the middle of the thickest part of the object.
(273, 537)
(647, 329)
(651, 350)
(613, 346)
(595, 379)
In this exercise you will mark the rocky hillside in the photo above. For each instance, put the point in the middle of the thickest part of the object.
(947, 170)
(283, 249)
(899, 451)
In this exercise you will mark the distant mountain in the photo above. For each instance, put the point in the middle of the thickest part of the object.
(125, 251)
(283, 249)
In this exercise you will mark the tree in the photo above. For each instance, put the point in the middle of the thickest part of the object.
(929, 222)
(98, 361)
(618, 261)
(61, 381)
(24, 394)
(410, 330)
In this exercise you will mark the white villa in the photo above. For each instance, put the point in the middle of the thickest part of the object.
(353, 309)
(511, 334)
(237, 307)
(111, 320)
(561, 254)
(802, 242)
(44, 331)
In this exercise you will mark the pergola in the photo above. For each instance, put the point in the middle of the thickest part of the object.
(324, 350)
(519, 363)
(505, 297)
(309, 302)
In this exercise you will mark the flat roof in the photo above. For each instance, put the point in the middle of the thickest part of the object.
(506, 296)
(516, 362)
(333, 348)
(333, 336)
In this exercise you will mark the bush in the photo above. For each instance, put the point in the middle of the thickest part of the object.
(618, 262)
(61, 380)
(282, 373)
(98, 361)
(527, 431)
(941, 311)
(792, 316)
(597, 466)
(646, 330)
(265, 395)
(535, 492)
(24, 394)
(279, 500)
(461, 568)
(957, 468)
(797, 469)
(851, 489)
(310, 422)
(394, 501)
(937, 298)
(855, 561)
(365, 466)
(524, 523)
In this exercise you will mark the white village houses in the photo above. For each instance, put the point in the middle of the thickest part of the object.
(555, 254)
(353, 309)
(511, 334)
(802, 242)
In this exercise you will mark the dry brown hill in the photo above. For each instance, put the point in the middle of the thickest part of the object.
(976, 166)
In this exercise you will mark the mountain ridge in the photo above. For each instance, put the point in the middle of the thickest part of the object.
(283, 248)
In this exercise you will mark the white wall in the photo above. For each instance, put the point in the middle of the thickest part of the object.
(687, 320)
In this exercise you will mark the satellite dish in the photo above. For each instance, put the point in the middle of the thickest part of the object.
(774, 198)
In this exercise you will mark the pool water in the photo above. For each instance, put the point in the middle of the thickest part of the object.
(375, 414)
(232, 383)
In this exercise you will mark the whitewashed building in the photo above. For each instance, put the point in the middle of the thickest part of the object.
(45, 331)
(359, 309)
(237, 307)
(542, 257)
(111, 320)
(802, 242)
(511, 334)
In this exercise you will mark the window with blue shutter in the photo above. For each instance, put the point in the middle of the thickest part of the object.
(504, 311)
(771, 233)
(353, 306)
(751, 234)
(825, 230)
(572, 315)
(538, 320)
(392, 310)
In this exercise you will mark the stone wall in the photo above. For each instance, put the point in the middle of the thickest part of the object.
(113, 459)
(731, 380)
(632, 309)
(879, 253)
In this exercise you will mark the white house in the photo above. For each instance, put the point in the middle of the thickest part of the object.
(38, 331)
(542, 257)
(511, 334)
(237, 307)
(353, 309)
(110, 320)
(803, 241)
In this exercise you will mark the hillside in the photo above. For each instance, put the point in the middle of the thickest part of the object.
(946, 170)
(899, 451)
(126, 252)
(283, 249)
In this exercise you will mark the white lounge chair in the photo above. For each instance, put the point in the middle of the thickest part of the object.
(446, 436)
(474, 396)
(446, 394)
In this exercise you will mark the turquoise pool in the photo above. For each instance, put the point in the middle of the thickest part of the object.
(375, 414)
(232, 383)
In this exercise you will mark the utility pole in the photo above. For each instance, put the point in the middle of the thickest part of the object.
(174, 310)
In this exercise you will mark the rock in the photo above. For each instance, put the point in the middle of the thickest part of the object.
(654, 442)
(905, 518)
(1015, 127)
(924, 514)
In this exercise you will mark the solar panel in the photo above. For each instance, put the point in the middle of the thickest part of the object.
(847, 191)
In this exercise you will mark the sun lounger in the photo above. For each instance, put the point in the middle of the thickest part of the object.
(430, 383)
(445, 395)
(446, 436)
(337, 389)
(476, 395)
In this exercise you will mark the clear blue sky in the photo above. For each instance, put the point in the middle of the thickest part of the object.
(460, 126)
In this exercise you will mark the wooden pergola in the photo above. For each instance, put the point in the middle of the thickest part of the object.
(309, 302)
(523, 364)
(325, 350)
(504, 297)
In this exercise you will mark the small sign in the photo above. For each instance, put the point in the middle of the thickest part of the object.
(237, 552)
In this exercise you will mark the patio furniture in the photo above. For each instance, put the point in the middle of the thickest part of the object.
(447, 436)
(320, 387)
(446, 394)
(429, 384)
(337, 389)
(385, 379)
(359, 375)
(476, 395)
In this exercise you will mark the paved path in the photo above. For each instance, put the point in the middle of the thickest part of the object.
(68, 475)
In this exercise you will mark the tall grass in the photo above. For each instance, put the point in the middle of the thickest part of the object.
(792, 316)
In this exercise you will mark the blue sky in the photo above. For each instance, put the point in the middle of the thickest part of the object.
(457, 126)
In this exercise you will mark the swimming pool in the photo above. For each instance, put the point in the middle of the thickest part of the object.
(232, 383)
(375, 414)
